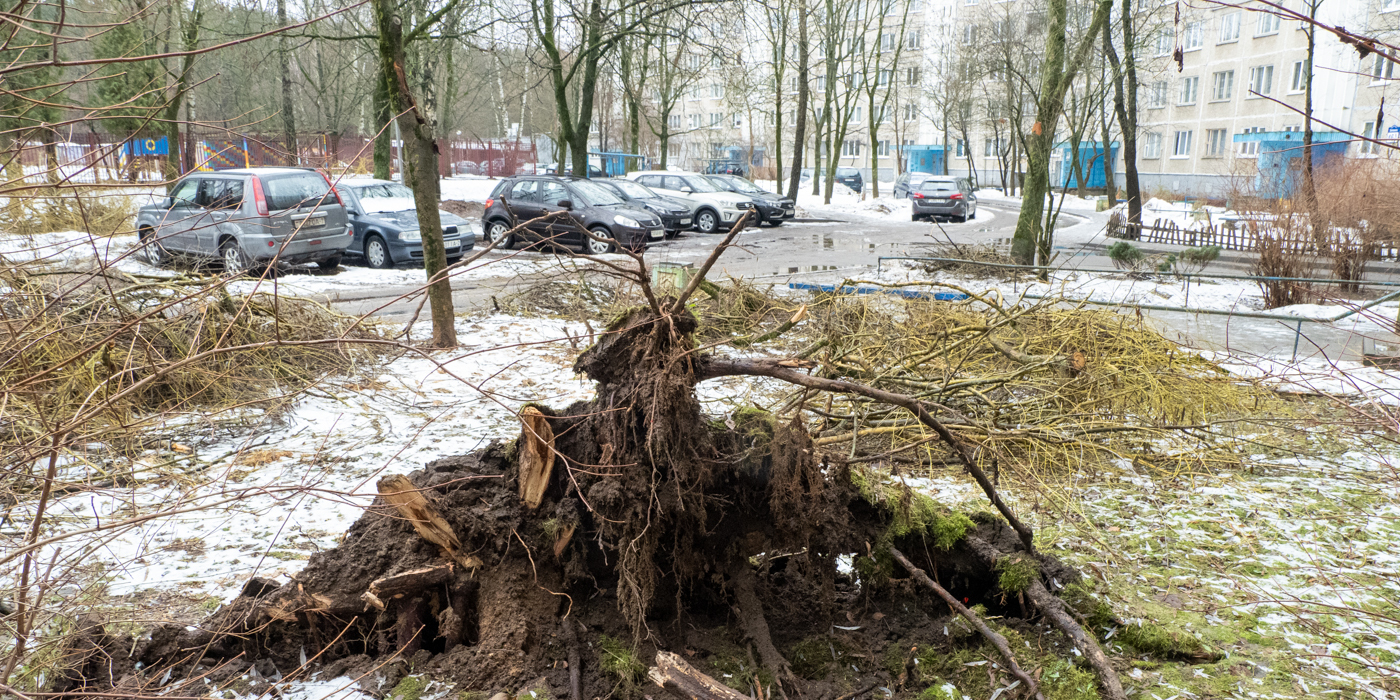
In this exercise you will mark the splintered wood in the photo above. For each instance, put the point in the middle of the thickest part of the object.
(683, 681)
(536, 456)
(414, 507)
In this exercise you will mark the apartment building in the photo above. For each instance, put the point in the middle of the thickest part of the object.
(1244, 72)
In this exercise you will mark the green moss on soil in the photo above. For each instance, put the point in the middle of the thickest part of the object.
(1016, 573)
(410, 688)
(619, 661)
(815, 657)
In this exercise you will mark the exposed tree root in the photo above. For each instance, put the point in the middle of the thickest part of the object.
(995, 639)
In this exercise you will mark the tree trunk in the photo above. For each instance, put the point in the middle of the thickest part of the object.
(874, 150)
(799, 138)
(171, 127)
(1125, 89)
(383, 135)
(1031, 236)
(1309, 186)
(289, 122)
(420, 165)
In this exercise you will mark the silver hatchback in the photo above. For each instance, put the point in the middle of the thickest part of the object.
(248, 218)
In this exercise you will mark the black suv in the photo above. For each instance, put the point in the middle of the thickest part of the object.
(773, 209)
(590, 206)
(675, 214)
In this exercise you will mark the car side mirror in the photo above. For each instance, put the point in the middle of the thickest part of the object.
(686, 189)
(167, 203)
(566, 204)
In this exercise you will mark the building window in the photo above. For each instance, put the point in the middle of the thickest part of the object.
(738, 119)
(1300, 73)
(960, 149)
(1261, 81)
(1388, 5)
(1216, 140)
(992, 147)
(1266, 24)
(911, 40)
(1229, 28)
(693, 120)
(970, 34)
(1157, 95)
(673, 149)
(850, 148)
(912, 75)
(717, 90)
(1222, 86)
(1189, 89)
(1250, 149)
(1182, 147)
(882, 148)
(1194, 37)
(715, 119)
(888, 40)
(1151, 145)
(856, 116)
(883, 77)
(911, 112)
(1383, 68)
(1368, 148)
(674, 121)
(1164, 43)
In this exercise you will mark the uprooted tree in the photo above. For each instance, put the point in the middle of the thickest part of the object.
(632, 523)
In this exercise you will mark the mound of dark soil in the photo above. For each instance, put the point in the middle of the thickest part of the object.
(734, 543)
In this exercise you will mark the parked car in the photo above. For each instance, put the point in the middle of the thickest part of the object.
(676, 214)
(845, 175)
(593, 170)
(591, 207)
(715, 209)
(248, 218)
(385, 219)
(725, 168)
(944, 196)
(908, 183)
(773, 209)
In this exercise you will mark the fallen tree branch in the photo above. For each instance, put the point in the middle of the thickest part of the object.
(683, 681)
(992, 636)
(712, 367)
(1053, 608)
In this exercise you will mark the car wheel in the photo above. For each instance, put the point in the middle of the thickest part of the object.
(454, 261)
(593, 246)
(973, 215)
(775, 223)
(235, 260)
(499, 233)
(962, 218)
(155, 252)
(706, 221)
(329, 263)
(377, 253)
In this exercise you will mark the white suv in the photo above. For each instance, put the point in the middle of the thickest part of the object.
(715, 209)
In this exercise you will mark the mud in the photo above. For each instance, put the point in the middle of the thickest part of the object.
(734, 542)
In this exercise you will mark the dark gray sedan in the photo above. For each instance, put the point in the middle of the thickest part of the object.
(944, 196)
(386, 225)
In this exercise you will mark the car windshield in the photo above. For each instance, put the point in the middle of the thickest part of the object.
(632, 189)
(384, 197)
(701, 184)
(596, 195)
(937, 186)
(739, 184)
(296, 190)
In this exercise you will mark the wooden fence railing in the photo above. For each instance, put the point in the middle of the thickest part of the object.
(1242, 236)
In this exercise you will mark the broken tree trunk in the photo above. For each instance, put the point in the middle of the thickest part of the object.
(683, 681)
(997, 640)
(536, 456)
(398, 585)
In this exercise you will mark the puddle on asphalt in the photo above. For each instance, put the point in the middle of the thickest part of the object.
(795, 269)
(826, 241)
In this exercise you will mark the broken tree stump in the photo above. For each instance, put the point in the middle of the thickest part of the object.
(414, 507)
(536, 456)
(683, 681)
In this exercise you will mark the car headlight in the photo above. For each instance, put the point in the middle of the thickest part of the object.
(621, 220)
(743, 205)
(656, 208)
(411, 236)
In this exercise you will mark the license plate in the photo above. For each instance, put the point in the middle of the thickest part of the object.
(658, 233)
(453, 246)
(787, 212)
(685, 222)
